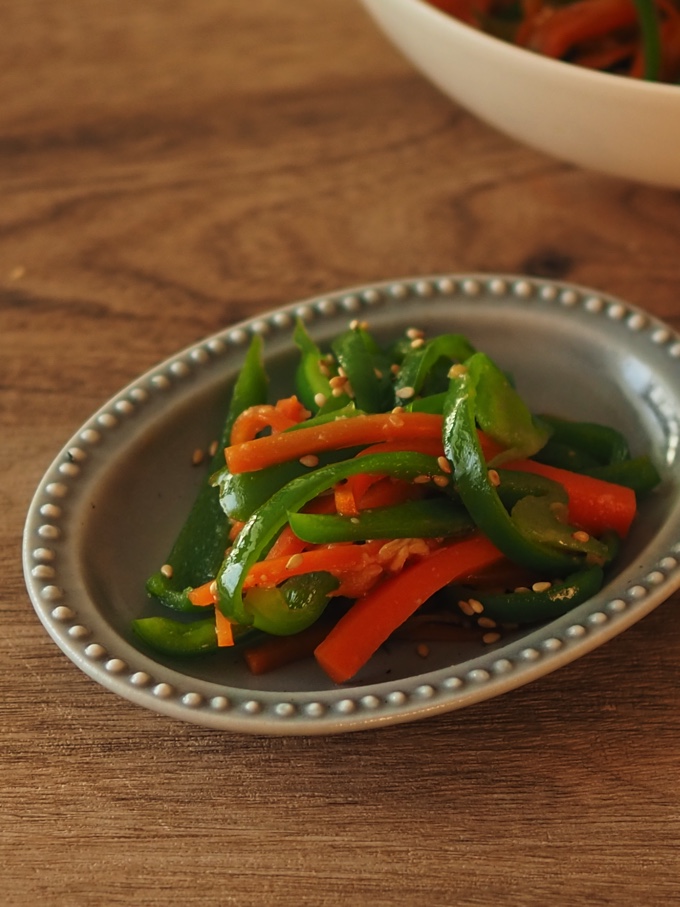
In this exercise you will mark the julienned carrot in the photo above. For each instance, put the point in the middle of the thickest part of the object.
(283, 650)
(558, 30)
(286, 413)
(355, 431)
(594, 505)
(373, 618)
(203, 596)
(223, 630)
(336, 559)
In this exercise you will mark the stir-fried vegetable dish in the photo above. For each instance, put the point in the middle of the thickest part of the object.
(401, 490)
(638, 38)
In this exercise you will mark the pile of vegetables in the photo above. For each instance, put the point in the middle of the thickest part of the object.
(402, 489)
(638, 38)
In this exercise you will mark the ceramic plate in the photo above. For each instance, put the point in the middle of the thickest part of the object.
(108, 508)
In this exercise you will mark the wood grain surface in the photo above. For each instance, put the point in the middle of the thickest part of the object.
(167, 168)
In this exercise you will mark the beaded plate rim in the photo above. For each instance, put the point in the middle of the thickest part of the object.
(111, 662)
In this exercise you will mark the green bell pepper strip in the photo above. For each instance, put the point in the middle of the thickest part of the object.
(272, 516)
(419, 364)
(175, 637)
(479, 494)
(199, 547)
(501, 412)
(527, 606)
(291, 607)
(555, 453)
(600, 442)
(638, 473)
(367, 368)
(241, 494)
(648, 20)
(310, 378)
(438, 517)
(432, 403)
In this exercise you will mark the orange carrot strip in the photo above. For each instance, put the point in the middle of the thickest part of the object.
(203, 595)
(558, 30)
(345, 501)
(286, 545)
(335, 559)
(223, 629)
(373, 618)
(283, 650)
(353, 432)
(594, 505)
(287, 412)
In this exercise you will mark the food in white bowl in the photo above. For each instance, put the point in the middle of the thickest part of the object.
(621, 126)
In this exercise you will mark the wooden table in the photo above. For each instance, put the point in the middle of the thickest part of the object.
(167, 169)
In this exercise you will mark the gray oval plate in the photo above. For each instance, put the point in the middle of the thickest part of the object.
(109, 506)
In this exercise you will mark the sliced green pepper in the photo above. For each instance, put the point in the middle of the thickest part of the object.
(270, 518)
(199, 548)
(501, 412)
(480, 495)
(366, 367)
(600, 442)
(529, 606)
(438, 517)
(291, 607)
(638, 473)
(420, 364)
(313, 374)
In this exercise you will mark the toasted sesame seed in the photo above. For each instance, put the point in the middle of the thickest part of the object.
(441, 481)
(490, 638)
(337, 392)
(197, 457)
(580, 536)
(342, 372)
(319, 399)
(494, 478)
(338, 380)
(212, 588)
(398, 409)
(466, 608)
(457, 370)
(395, 368)
(423, 650)
(444, 464)
(414, 333)
(477, 606)
(395, 419)
(405, 393)
(354, 324)
(417, 343)
(166, 570)
(309, 460)
(294, 561)
(421, 480)
(486, 622)
(378, 374)
(521, 589)
(212, 450)
(541, 587)
(354, 519)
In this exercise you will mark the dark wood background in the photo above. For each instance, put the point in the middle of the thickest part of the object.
(168, 168)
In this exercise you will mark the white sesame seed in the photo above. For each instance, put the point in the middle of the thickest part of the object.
(414, 333)
(494, 478)
(309, 460)
(421, 480)
(441, 481)
(486, 622)
(212, 588)
(395, 419)
(417, 343)
(490, 638)
(405, 393)
(444, 464)
(580, 536)
(294, 561)
(457, 370)
(466, 608)
(338, 381)
(319, 399)
(212, 450)
(541, 587)
(197, 457)
(477, 606)
(167, 570)
(354, 324)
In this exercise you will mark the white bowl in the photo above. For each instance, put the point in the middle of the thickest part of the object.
(620, 126)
